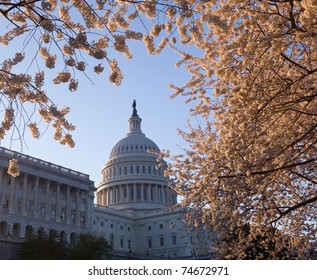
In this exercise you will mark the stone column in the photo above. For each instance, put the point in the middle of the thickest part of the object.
(166, 194)
(36, 196)
(112, 195)
(100, 197)
(146, 188)
(12, 195)
(161, 190)
(24, 194)
(103, 197)
(77, 214)
(47, 201)
(58, 202)
(68, 205)
(142, 192)
(87, 210)
(134, 193)
(156, 196)
(109, 195)
(121, 194)
(127, 192)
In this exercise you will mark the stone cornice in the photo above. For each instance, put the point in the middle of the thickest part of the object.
(39, 167)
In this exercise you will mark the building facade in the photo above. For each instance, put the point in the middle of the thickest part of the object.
(45, 197)
(133, 207)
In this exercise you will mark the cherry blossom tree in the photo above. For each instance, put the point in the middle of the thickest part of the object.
(253, 160)
(252, 64)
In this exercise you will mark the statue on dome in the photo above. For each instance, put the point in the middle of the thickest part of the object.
(135, 112)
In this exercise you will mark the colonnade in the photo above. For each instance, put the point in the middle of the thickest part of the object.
(138, 192)
(33, 196)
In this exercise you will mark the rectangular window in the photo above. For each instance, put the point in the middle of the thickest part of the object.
(174, 240)
(149, 243)
(121, 243)
(162, 241)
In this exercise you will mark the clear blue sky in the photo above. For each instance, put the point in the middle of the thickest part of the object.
(100, 112)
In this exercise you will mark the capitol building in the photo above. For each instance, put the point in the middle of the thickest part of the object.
(134, 207)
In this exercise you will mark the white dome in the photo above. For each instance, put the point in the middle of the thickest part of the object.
(134, 143)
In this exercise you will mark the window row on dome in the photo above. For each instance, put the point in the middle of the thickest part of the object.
(137, 148)
(133, 169)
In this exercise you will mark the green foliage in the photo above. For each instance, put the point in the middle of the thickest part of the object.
(43, 248)
(87, 247)
(90, 247)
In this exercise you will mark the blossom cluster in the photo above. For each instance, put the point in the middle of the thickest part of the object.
(13, 169)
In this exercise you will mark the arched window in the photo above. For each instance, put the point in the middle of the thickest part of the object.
(63, 236)
(3, 228)
(28, 232)
(16, 230)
